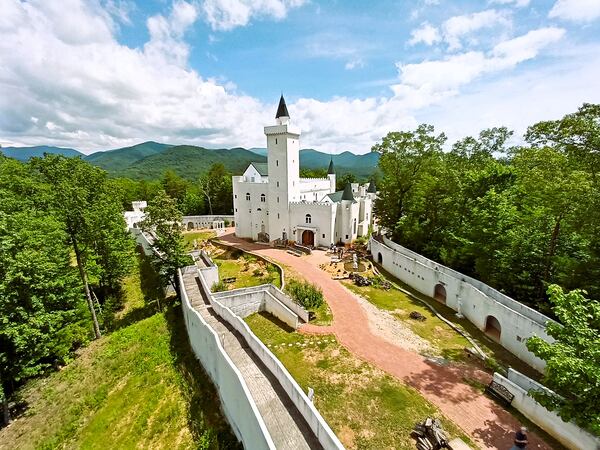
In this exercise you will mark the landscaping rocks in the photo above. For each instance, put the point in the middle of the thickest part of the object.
(417, 316)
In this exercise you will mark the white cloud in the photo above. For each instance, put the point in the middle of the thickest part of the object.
(516, 3)
(576, 10)
(354, 64)
(426, 34)
(229, 14)
(458, 27)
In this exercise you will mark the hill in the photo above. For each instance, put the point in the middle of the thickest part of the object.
(25, 153)
(189, 162)
(346, 162)
(115, 160)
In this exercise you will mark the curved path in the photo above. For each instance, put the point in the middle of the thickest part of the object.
(484, 420)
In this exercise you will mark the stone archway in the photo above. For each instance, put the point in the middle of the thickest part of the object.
(190, 226)
(493, 328)
(439, 293)
(379, 258)
(308, 238)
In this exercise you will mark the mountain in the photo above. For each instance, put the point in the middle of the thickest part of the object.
(258, 151)
(25, 153)
(120, 158)
(188, 162)
(362, 166)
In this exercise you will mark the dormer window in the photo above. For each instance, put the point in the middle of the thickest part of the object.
(308, 218)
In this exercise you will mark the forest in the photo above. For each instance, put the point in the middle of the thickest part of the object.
(517, 217)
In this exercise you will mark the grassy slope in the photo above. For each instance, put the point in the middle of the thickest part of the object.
(365, 407)
(138, 387)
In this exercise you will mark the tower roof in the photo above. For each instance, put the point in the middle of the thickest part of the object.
(348, 195)
(282, 109)
(330, 169)
(372, 189)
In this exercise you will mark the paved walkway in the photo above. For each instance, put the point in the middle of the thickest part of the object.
(287, 427)
(480, 417)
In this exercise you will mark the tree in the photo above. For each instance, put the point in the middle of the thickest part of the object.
(41, 318)
(573, 359)
(162, 219)
(216, 187)
(343, 180)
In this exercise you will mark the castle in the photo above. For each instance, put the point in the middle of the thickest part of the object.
(272, 202)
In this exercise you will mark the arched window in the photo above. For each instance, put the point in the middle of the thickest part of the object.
(248, 196)
(354, 227)
(263, 198)
(308, 218)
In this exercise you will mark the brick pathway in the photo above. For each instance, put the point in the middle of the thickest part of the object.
(480, 417)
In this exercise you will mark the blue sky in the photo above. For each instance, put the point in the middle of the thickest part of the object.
(100, 74)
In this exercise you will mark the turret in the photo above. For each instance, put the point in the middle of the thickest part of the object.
(331, 176)
(282, 116)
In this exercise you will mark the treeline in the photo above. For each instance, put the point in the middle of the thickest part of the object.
(519, 218)
(212, 193)
(64, 251)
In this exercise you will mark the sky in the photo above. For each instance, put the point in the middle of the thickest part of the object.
(101, 74)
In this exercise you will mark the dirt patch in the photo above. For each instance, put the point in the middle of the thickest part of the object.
(347, 436)
(384, 324)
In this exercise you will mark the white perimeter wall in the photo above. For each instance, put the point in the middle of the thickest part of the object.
(568, 434)
(477, 300)
(236, 401)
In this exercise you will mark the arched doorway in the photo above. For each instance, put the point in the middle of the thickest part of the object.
(308, 238)
(379, 258)
(493, 328)
(439, 293)
(190, 226)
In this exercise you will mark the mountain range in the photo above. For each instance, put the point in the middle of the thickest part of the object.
(149, 160)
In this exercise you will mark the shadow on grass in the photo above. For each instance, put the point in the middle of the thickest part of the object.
(205, 417)
(277, 322)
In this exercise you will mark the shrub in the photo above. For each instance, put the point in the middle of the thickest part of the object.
(257, 273)
(304, 293)
(219, 286)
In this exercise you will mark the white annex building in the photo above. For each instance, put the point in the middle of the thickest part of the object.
(272, 202)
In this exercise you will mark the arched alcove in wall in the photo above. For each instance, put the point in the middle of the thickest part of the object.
(493, 328)
(379, 258)
(439, 293)
(190, 226)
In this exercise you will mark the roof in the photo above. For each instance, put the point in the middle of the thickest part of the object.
(282, 109)
(372, 189)
(338, 196)
(261, 168)
(331, 170)
(348, 195)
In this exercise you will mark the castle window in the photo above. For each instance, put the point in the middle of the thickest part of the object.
(277, 199)
(259, 209)
(278, 184)
(248, 196)
(235, 196)
(250, 211)
(278, 215)
(308, 218)
(354, 227)
(276, 140)
(323, 235)
(263, 198)
(277, 162)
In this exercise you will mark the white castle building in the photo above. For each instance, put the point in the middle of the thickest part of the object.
(272, 202)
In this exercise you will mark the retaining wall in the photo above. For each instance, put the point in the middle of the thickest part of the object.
(567, 433)
(236, 401)
(475, 300)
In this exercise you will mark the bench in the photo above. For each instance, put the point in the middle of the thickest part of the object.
(499, 392)
(229, 280)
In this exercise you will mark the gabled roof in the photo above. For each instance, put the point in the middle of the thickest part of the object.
(330, 169)
(348, 195)
(338, 196)
(372, 189)
(261, 168)
(282, 109)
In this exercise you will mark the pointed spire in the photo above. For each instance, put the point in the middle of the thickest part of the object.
(330, 169)
(348, 195)
(282, 109)
(372, 189)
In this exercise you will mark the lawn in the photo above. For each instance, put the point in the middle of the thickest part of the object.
(442, 337)
(190, 236)
(364, 406)
(248, 270)
(139, 386)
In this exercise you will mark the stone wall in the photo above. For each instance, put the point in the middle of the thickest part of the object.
(502, 318)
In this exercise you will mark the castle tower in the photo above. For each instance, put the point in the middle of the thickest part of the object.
(331, 176)
(283, 155)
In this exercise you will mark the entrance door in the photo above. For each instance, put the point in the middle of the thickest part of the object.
(308, 238)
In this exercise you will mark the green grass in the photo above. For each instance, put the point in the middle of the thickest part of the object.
(245, 269)
(137, 387)
(189, 237)
(442, 337)
(365, 407)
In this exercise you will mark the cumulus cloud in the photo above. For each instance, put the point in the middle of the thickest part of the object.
(229, 14)
(458, 27)
(576, 10)
(426, 33)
